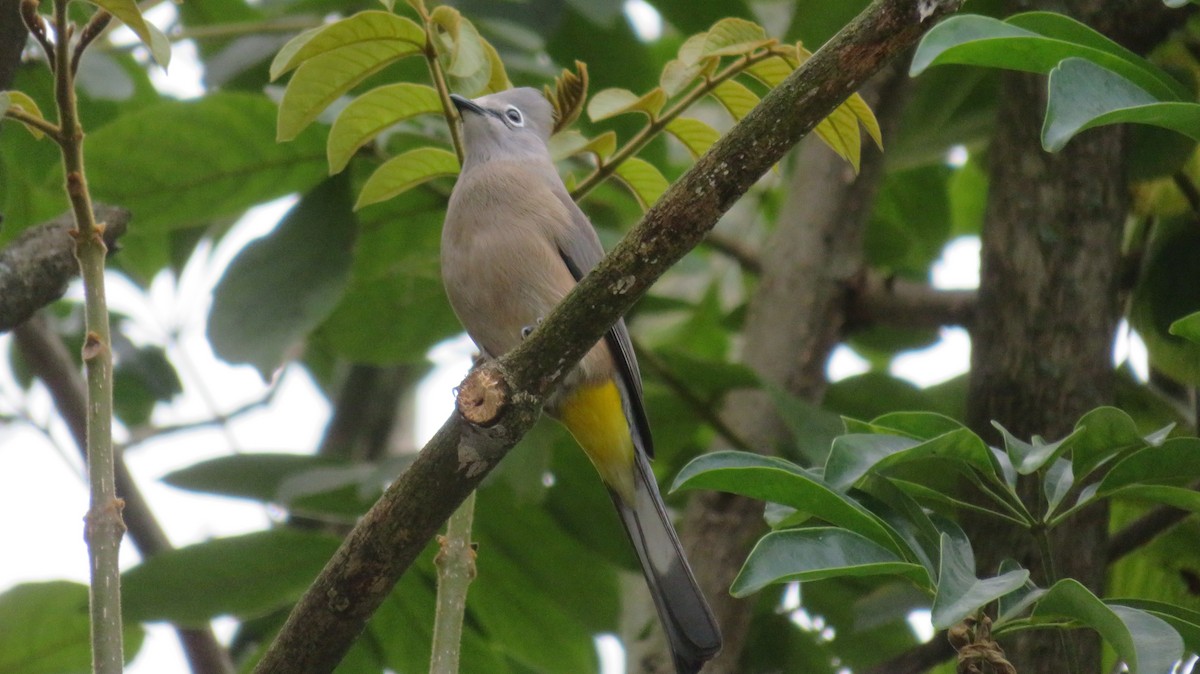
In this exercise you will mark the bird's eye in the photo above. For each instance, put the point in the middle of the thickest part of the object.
(514, 116)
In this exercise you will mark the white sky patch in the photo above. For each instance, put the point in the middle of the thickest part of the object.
(182, 78)
(948, 358)
(921, 622)
(435, 394)
(647, 23)
(612, 654)
(1129, 348)
(843, 363)
(957, 156)
(958, 267)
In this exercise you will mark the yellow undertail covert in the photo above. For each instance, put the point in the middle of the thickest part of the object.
(595, 415)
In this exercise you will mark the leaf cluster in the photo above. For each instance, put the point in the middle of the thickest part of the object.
(885, 500)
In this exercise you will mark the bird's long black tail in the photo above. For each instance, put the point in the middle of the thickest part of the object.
(691, 630)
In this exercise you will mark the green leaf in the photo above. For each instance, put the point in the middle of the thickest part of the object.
(1174, 462)
(677, 76)
(1162, 474)
(1057, 484)
(907, 518)
(694, 134)
(404, 172)
(311, 485)
(462, 51)
(1166, 292)
(866, 117)
(22, 102)
(372, 26)
(571, 142)
(1147, 644)
(244, 576)
(1099, 435)
(612, 102)
(777, 481)
(1187, 327)
(253, 476)
(691, 52)
(177, 182)
(1184, 620)
(142, 377)
(854, 455)
(959, 592)
(812, 427)
(1014, 603)
(528, 586)
(130, 15)
(497, 75)
(840, 132)
(736, 98)
(814, 554)
(373, 112)
(732, 37)
(644, 180)
(283, 285)
(919, 425)
(320, 80)
(1029, 458)
(45, 629)
(1084, 95)
(395, 274)
(1036, 42)
(771, 71)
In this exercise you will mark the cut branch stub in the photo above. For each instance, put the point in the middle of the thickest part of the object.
(483, 396)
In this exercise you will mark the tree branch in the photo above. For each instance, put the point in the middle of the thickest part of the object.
(908, 304)
(36, 267)
(876, 299)
(389, 537)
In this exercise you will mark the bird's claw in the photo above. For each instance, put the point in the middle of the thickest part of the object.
(528, 329)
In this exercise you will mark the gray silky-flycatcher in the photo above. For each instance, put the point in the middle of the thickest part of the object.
(514, 244)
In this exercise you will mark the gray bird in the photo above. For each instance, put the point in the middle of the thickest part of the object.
(514, 244)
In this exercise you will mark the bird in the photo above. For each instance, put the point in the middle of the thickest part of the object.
(513, 245)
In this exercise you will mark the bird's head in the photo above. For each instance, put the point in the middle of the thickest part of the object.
(510, 124)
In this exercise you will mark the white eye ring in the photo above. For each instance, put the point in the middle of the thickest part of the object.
(513, 115)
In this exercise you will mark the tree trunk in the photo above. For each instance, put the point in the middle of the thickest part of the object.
(1042, 347)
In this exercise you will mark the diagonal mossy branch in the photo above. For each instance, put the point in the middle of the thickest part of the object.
(507, 394)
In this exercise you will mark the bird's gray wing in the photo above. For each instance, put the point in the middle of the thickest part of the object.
(581, 251)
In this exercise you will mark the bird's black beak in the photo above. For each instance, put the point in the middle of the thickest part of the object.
(465, 104)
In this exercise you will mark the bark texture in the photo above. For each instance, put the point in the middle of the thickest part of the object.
(1048, 307)
(1047, 313)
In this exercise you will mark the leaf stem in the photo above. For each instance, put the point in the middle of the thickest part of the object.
(656, 125)
(35, 122)
(456, 569)
(439, 82)
(104, 526)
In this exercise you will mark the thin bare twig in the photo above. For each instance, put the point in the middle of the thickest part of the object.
(49, 360)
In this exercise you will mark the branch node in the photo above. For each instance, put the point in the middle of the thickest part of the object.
(483, 396)
(338, 602)
(93, 346)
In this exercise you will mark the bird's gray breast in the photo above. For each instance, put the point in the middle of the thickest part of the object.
(500, 265)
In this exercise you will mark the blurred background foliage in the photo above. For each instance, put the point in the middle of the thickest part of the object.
(354, 300)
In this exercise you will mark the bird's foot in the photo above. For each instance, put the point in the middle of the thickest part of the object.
(528, 329)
